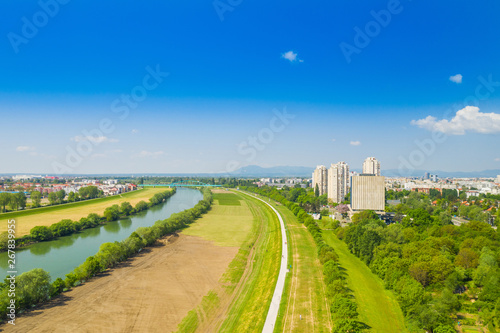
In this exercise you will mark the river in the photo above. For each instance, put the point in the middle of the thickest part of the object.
(59, 257)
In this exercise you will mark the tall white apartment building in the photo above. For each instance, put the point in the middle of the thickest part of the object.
(371, 166)
(368, 192)
(338, 182)
(320, 177)
(498, 179)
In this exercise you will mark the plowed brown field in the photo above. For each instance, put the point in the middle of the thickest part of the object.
(151, 292)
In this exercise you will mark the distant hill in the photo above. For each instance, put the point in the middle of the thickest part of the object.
(298, 171)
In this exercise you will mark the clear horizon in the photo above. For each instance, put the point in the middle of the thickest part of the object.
(189, 88)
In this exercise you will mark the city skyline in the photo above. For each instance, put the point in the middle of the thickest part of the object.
(139, 98)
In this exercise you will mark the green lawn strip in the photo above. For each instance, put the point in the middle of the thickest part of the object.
(377, 306)
(309, 298)
(248, 312)
(227, 199)
(49, 209)
(225, 225)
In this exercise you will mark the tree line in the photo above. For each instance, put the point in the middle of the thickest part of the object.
(484, 208)
(15, 201)
(34, 287)
(67, 227)
(436, 269)
(18, 201)
(343, 306)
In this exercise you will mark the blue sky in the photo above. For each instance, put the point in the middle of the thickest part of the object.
(226, 79)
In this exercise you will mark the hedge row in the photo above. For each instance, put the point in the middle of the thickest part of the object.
(343, 306)
(34, 287)
(67, 227)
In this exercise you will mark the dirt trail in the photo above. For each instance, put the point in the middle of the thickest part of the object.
(152, 292)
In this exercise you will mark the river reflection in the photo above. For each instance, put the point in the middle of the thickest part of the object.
(61, 256)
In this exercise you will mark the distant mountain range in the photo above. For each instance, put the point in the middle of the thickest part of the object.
(298, 171)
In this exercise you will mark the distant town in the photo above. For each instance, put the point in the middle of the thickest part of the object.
(49, 184)
(368, 190)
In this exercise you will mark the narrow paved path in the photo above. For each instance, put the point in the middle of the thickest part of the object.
(272, 314)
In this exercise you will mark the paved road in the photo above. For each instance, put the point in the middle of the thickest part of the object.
(458, 221)
(272, 314)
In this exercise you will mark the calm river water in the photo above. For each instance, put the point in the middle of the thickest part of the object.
(61, 256)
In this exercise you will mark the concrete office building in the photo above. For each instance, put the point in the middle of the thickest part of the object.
(368, 193)
(338, 182)
(320, 178)
(371, 166)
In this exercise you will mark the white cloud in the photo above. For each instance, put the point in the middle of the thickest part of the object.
(497, 159)
(467, 119)
(291, 56)
(456, 78)
(355, 143)
(93, 139)
(333, 140)
(135, 131)
(25, 148)
(153, 154)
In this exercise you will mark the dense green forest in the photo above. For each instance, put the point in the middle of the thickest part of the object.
(442, 274)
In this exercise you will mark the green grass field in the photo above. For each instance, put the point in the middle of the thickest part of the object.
(227, 199)
(377, 306)
(249, 309)
(241, 303)
(225, 225)
(45, 216)
(305, 290)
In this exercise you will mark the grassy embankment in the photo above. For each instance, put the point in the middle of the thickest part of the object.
(377, 306)
(304, 293)
(46, 216)
(242, 301)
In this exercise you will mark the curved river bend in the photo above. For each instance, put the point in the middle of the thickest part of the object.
(59, 257)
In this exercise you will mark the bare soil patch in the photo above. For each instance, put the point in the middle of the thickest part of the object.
(152, 292)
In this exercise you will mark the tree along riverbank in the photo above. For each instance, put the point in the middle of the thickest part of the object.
(34, 287)
(67, 227)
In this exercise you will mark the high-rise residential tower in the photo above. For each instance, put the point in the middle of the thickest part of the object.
(371, 166)
(338, 182)
(368, 192)
(320, 178)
